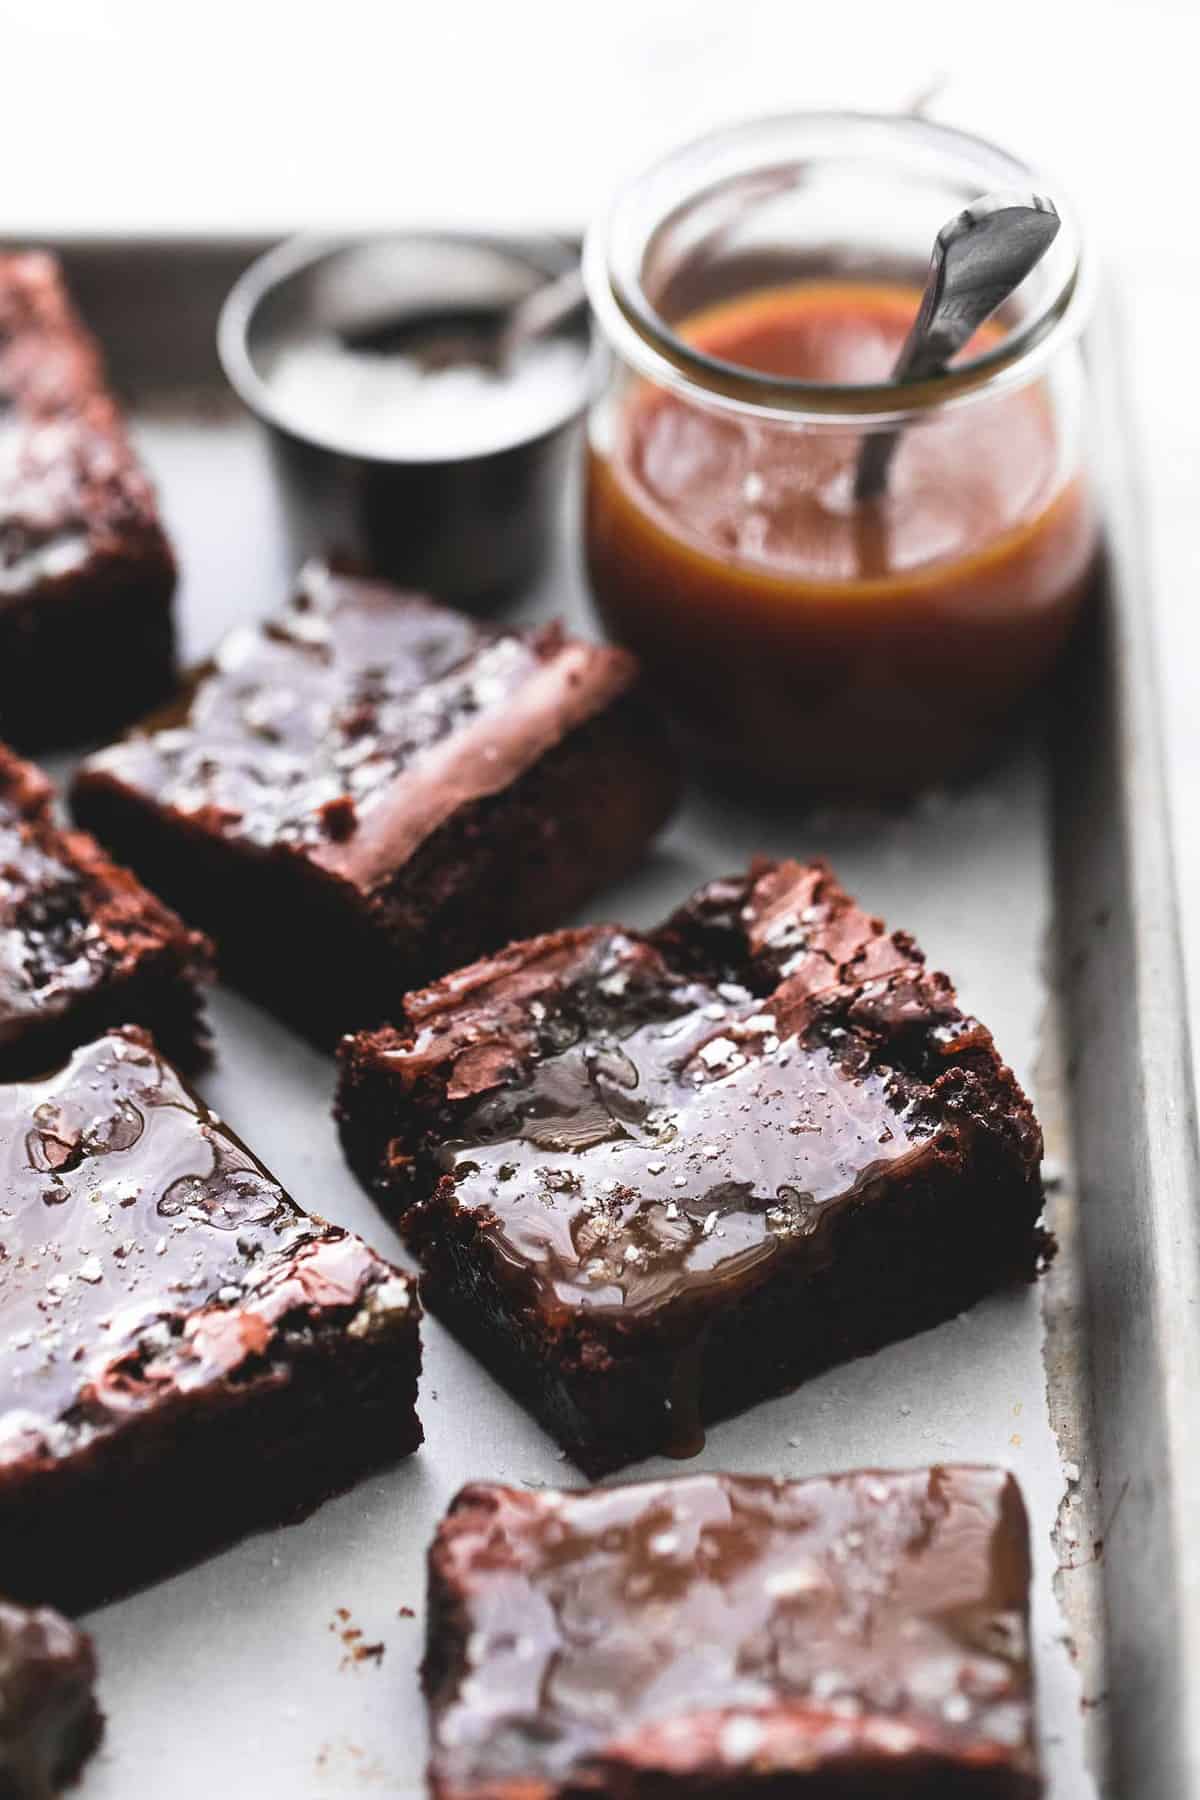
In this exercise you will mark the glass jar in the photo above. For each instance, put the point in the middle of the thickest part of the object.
(755, 288)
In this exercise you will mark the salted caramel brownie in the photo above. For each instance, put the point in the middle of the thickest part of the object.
(184, 1355)
(367, 789)
(49, 1720)
(86, 572)
(656, 1177)
(851, 1637)
(83, 945)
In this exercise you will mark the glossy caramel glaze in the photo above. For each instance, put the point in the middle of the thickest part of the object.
(48, 1717)
(817, 641)
(145, 1253)
(348, 729)
(73, 498)
(726, 1628)
(75, 928)
(714, 1144)
(639, 1125)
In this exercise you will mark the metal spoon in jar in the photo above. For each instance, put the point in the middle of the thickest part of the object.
(979, 259)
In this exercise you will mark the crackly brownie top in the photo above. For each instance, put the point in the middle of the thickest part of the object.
(70, 920)
(47, 1667)
(71, 489)
(145, 1253)
(635, 1119)
(354, 723)
(729, 1625)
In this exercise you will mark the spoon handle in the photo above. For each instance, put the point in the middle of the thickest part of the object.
(979, 258)
(539, 312)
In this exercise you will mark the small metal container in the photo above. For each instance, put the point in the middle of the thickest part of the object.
(471, 526)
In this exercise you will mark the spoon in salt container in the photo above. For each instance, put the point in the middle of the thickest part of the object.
(979, 258)
(488, 337)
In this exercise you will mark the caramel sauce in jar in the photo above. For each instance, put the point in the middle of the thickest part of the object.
(795, 633)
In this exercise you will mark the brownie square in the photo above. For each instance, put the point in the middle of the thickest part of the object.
(851, 1637)
(49, 1720)
(184, 1354)
(83, 946)
(653, 1178)
(369, 788)
(86, 573)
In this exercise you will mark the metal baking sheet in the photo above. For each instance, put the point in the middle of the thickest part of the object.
(239, 1676)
